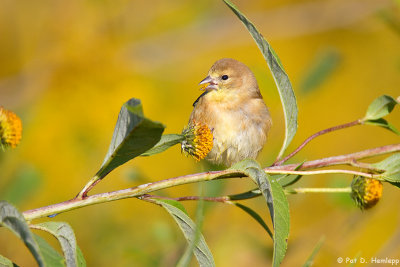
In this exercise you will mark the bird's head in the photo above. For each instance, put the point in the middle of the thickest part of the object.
(229, 74)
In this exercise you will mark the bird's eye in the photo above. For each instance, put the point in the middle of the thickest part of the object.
(224, 77)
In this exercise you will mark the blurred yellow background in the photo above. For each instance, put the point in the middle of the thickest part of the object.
(68, 66)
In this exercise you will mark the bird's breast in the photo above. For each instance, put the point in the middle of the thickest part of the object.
(239, 129)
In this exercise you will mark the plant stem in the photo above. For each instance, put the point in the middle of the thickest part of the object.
(318, 190)
(92, 182)
(206, 176)
(128, 193)
(228, 199)
(369, 175)
(366, 166)
(338, 127)
(339, 160)
(224, 199)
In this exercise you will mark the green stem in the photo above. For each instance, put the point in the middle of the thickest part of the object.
(318, 190)
(92, 182)
(365, 166)
(248, 195)
(369, 175)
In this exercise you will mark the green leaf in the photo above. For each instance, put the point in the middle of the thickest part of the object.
(133, 135)
(391, 165)
(188, 227)
(167, 140)
(246, 195)
(314, 253)
(382, 123)
(51, 257)
(4, 262)
(380, 107)
(288, 180)
(277, 204)
(81, 259)
(65, 235)
(184, 261)
(282, 81)
(255, 216)
(12, 219)
(172, 202)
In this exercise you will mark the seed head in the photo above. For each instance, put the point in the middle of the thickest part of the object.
(10, 129)
(198, 140)
(366, 192)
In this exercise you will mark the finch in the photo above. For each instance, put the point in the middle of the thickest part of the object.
(233, 109)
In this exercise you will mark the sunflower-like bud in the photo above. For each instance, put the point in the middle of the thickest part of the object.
(198, 140)
(366, 192)
(10, 129)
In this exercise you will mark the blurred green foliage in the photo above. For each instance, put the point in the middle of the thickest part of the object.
(22, 186)
(322, 66)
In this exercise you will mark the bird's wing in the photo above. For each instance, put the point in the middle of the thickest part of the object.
(197, 100)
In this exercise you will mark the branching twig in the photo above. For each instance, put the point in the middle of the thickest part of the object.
(92, 182)
(128, 193)
(205, 176)
(338, 127)
(369, 175)
(366, 166)
(340, 160)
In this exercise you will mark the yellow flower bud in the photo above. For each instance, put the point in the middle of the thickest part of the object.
(10, 129)
(366, 192)
(198, 140)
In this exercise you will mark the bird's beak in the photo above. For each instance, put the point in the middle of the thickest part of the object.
(209, 83)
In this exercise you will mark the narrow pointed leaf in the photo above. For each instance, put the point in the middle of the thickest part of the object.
(184, 261)
(133, 135)
(255, 216)
(51, 257)
(289, 180)
(166, 141)
(246, 195)
(286, 180)
(12, 219)
(380, 107)
(80, 257)
(277, 204)
(382, 123)
(282, 81)
(188, 227)
(65, 235)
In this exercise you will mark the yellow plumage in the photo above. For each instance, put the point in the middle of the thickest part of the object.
(234, 110)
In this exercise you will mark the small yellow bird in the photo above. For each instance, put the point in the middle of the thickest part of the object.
(233, 109)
